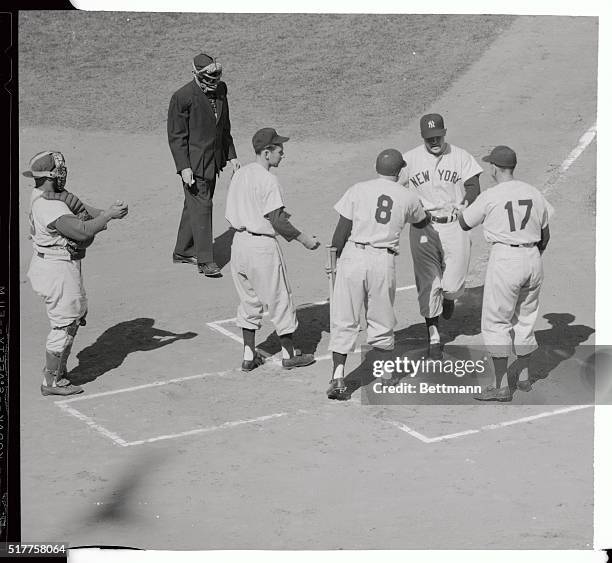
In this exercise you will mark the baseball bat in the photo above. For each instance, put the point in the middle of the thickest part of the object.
(331, 267)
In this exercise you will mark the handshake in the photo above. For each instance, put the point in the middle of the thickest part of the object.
(309, 242)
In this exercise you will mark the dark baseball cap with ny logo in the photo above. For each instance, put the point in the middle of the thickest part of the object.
(432, 125)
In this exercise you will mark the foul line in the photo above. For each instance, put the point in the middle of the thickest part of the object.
(521, 420)
(583, 143)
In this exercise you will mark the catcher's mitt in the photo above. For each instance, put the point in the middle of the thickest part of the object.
(72, 201)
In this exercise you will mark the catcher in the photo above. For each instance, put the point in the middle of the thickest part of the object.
(61, 228)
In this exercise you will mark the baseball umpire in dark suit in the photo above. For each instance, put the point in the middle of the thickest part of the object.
(199, 134)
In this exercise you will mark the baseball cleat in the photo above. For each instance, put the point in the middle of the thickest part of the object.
(61, 387)
(491, 393)
(448, 307)
(338, 390)
(299, 360)
(210, 269)
(180, 259)
(250, 365)
(525, 386)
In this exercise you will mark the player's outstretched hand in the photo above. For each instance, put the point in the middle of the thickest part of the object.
(309, 242)
(117, 210)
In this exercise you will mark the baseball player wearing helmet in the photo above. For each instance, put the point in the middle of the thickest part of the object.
(515, 221)
(61, 228)
(446, 179)
(199, 134)
(372, 216)
(255, 209)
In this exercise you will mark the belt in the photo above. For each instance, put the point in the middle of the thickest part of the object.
(525, 245)
(443, 219)
(40, 255)
(255, 234)
(362, 246)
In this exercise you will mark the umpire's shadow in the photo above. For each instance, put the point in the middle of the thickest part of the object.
(313, 321)
(113, 346)
(222, 247)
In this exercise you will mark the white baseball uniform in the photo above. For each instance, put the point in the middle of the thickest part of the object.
(513, 214)
(441, 251)
(53, 274)
(257, 263)
(379, 209)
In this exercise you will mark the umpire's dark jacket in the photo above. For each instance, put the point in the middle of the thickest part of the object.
(196, 141)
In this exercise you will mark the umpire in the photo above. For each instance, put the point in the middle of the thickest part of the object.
(199, 134)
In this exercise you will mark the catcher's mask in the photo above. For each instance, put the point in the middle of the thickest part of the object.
(208, 77)
(49, 164)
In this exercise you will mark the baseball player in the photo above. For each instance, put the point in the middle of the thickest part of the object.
(372, 216)
(255, 209)
(61, 228)
(446, 179)
(515, 221)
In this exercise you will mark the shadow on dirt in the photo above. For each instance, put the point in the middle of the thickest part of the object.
(222, 248)
(465, 321)
(113, 346)
(313, 321)
(555, 345)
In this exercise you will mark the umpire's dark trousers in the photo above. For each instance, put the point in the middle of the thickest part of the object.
(195, 229)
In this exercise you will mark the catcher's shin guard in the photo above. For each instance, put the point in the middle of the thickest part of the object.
(71, 331)
(54, 372)
(54, 383)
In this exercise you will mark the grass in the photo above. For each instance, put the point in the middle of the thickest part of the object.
(324, 76)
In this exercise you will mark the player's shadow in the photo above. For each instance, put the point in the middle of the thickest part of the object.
(222, 247)
(313, 321)
(556, 344)
(115, 344)
(465, 320)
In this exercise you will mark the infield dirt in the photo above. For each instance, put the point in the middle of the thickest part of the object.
(284, 483)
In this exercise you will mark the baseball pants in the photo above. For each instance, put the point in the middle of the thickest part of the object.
(260, 276)
(60, 284)
(441, 257)
(510, 300)
(195, 232)
(365, 278)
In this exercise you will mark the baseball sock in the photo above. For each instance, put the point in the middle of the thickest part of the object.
(287, 345)
(432, 330)
(248, 336)
(339, 361)
(501, 366)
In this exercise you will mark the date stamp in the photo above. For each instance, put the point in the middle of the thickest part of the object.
(33, 549)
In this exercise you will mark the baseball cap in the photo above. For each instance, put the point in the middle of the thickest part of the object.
(432, 125)
(41, 164)
(202, 60)
(267, 136)
(389, 162)
(501, 156)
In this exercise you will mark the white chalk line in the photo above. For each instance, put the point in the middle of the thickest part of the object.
(92, 424)
(225, 425)
(583, 143)
(276, 359)
(522, 420)
(144, 386)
